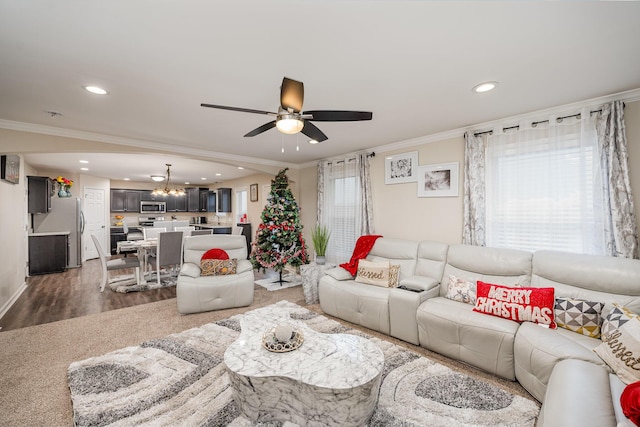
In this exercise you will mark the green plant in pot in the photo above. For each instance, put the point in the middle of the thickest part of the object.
(320, 237)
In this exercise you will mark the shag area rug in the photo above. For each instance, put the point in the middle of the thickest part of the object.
(127, 283)
(272, 284)
(181, 380)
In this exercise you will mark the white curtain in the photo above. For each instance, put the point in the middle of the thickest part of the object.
(344, 204)
(543, 186)
(620, 224)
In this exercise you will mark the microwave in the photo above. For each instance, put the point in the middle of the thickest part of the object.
(153, 207)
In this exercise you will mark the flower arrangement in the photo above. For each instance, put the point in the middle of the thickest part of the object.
(65, 184)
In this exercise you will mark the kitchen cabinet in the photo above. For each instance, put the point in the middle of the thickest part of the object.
(48, 253)
(222, 230)
(39, 189)
(176, 203)
(224, 200)
(193, 199)
(204, 200)
(211, 207)
(125, 200)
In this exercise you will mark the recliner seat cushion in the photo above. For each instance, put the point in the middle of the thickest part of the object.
(453, 329)
(537, 350)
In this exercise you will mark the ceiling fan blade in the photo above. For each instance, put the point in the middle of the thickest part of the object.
(291, 94)
(244, 110)
(338, 115)
(265, 127)
(313, 132)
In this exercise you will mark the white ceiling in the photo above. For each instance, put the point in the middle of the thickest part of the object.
(412, 63)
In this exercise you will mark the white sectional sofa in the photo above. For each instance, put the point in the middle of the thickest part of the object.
(557, 366)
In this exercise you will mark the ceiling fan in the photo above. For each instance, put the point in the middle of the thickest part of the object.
(290, 118)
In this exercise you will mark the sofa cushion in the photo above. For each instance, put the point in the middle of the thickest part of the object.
(373, 273)
(215, 253)
(620, 349)
(461, 290)
(516, 303)
(580, 316)
(453, 329)
(537, 350)
(218, 267)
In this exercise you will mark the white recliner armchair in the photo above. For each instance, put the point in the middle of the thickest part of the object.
(196, 293)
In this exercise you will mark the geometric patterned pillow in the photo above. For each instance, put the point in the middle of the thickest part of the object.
(581, 316)
(617, 317)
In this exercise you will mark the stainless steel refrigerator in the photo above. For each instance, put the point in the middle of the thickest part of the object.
(65, 215)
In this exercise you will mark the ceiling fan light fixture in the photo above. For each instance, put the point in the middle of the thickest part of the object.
(289, 125)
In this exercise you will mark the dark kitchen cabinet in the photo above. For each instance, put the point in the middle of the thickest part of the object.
(48, 253)
(203, 196)
(211, 207)
(40, 189)
(176, 203)
(193, 199)
(125, 200)
(224, 200)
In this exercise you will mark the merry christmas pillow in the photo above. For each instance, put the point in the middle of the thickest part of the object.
(516, 303)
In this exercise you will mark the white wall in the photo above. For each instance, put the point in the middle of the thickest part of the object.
(13, 231)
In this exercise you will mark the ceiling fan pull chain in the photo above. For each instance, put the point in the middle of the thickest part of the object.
(282, 139)
(297, 142)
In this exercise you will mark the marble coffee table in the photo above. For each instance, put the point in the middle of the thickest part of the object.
(331, 379)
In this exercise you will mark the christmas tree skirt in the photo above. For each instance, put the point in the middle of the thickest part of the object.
(272, 283)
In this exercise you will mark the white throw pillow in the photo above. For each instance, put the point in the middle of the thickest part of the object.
(190, 269)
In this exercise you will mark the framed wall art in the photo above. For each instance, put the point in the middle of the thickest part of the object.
(399, 168)
(253, 192)
(439, 180)
(10, 168)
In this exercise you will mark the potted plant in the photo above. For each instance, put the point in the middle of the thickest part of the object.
(320, 237)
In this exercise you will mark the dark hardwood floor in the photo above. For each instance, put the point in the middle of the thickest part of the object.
(73, 293)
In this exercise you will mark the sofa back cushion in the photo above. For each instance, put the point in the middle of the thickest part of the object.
(196, 246)
(589, 277)
(397, 252)
(508, 267)
(432, 257)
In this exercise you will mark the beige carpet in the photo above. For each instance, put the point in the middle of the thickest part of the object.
(34, 360)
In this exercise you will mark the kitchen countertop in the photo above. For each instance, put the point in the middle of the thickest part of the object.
(51, 233)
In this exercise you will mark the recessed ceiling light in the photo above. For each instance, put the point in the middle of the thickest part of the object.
(218, 174)
(203, 179)
(84, 169)
(157, 178)
(95, 89)
(84, 161)
(126, 179)
(187, 183)
(313, 141)
(240, 167)
(484, 87)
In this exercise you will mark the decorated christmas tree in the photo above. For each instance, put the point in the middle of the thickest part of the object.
(279, 238)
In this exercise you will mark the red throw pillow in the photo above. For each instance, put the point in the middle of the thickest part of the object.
(630, 402)
(215, 254)
(516, 303)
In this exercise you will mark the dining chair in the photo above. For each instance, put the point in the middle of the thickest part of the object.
(168, 252)
(186, 230)
(152, 232)
(202, 232)
(114, 264)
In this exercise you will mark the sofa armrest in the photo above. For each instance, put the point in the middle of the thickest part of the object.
(339, 274)
(424, 283)
(190, 269)
(404, 303)
(243, 265)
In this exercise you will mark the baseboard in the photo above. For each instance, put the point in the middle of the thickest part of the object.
(13, 299)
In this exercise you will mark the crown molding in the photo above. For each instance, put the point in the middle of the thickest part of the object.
(131, 142)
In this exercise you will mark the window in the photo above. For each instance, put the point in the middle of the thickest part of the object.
(543, 188)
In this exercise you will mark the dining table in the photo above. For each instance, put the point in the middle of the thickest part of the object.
(142, 248)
